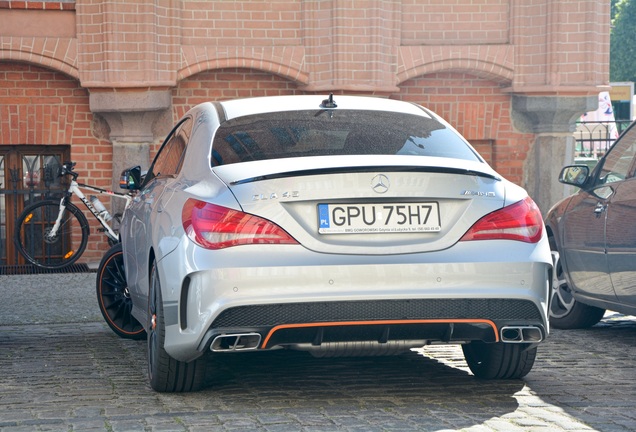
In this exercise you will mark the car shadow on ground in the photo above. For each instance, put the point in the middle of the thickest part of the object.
(410, 384)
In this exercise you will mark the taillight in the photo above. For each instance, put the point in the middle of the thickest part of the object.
(520, 221)
(215, 227)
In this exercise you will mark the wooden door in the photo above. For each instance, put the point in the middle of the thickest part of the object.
(27, 174)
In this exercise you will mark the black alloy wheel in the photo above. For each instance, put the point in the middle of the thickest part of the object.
(113, 296)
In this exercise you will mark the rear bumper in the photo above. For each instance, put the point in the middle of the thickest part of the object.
(394, 300)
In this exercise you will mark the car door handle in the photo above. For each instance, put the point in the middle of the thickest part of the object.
(600, 208)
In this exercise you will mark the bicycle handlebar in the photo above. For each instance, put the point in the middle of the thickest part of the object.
(67, 169)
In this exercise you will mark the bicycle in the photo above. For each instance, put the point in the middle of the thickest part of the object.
(53, 234)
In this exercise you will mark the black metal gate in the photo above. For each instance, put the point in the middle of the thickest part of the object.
(27, 174)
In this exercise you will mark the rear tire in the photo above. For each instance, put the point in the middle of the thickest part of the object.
(113, 297)
(566, 312)
(499, 360)
(167, 374)
(51, 253)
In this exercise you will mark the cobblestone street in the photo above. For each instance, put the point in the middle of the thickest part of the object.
(62, 369)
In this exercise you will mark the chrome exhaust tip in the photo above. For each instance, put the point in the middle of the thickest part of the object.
(235, 342)
(521, 334)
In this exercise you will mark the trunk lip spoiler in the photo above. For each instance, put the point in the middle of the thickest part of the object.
(373, 169)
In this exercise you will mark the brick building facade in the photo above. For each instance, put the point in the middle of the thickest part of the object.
(101, 81)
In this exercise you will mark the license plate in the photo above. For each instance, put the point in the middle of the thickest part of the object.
(378, 218)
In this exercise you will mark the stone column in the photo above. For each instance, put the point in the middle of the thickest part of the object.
(553, 120)
(135, 118)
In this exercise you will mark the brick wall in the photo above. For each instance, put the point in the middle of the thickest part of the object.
(347, 44)
(42, 107)
(479, 110)
(128, 43)
(242, 23)
(224, 84)
(443, 22)
(38, 5)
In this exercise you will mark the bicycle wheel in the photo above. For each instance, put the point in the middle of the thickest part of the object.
(113, 297)
(33, 240)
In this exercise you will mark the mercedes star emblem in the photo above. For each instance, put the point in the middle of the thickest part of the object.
(380, 183)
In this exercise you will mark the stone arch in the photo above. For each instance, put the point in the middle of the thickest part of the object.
(479, 69)
(286, 62)
(57, 54)
(228, 83)
(493, 63)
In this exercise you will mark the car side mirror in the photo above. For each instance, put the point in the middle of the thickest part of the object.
(575, 175)
(130, 178)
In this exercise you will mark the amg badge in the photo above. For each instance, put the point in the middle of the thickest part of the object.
(478, 193)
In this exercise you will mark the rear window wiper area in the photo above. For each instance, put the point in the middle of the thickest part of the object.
(373, 169)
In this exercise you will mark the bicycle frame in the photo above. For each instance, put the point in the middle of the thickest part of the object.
(74, 189)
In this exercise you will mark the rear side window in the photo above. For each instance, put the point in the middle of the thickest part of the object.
(338, 132)
(170, 156)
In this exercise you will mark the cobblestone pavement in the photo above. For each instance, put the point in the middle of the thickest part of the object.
(62, 369)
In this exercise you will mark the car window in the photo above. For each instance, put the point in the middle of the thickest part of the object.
(618, 164)
(170, 156)
(339, 132)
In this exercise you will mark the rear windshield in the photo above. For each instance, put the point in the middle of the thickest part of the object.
(338, 132)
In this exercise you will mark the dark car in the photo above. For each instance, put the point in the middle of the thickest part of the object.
(593, 239)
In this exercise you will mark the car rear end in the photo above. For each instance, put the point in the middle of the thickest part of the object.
(367, 226)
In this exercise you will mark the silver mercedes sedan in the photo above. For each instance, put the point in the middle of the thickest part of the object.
(336, 225)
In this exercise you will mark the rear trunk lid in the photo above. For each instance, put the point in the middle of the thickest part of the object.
(367, 204)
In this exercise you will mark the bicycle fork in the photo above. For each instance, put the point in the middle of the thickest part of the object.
(51, 235)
